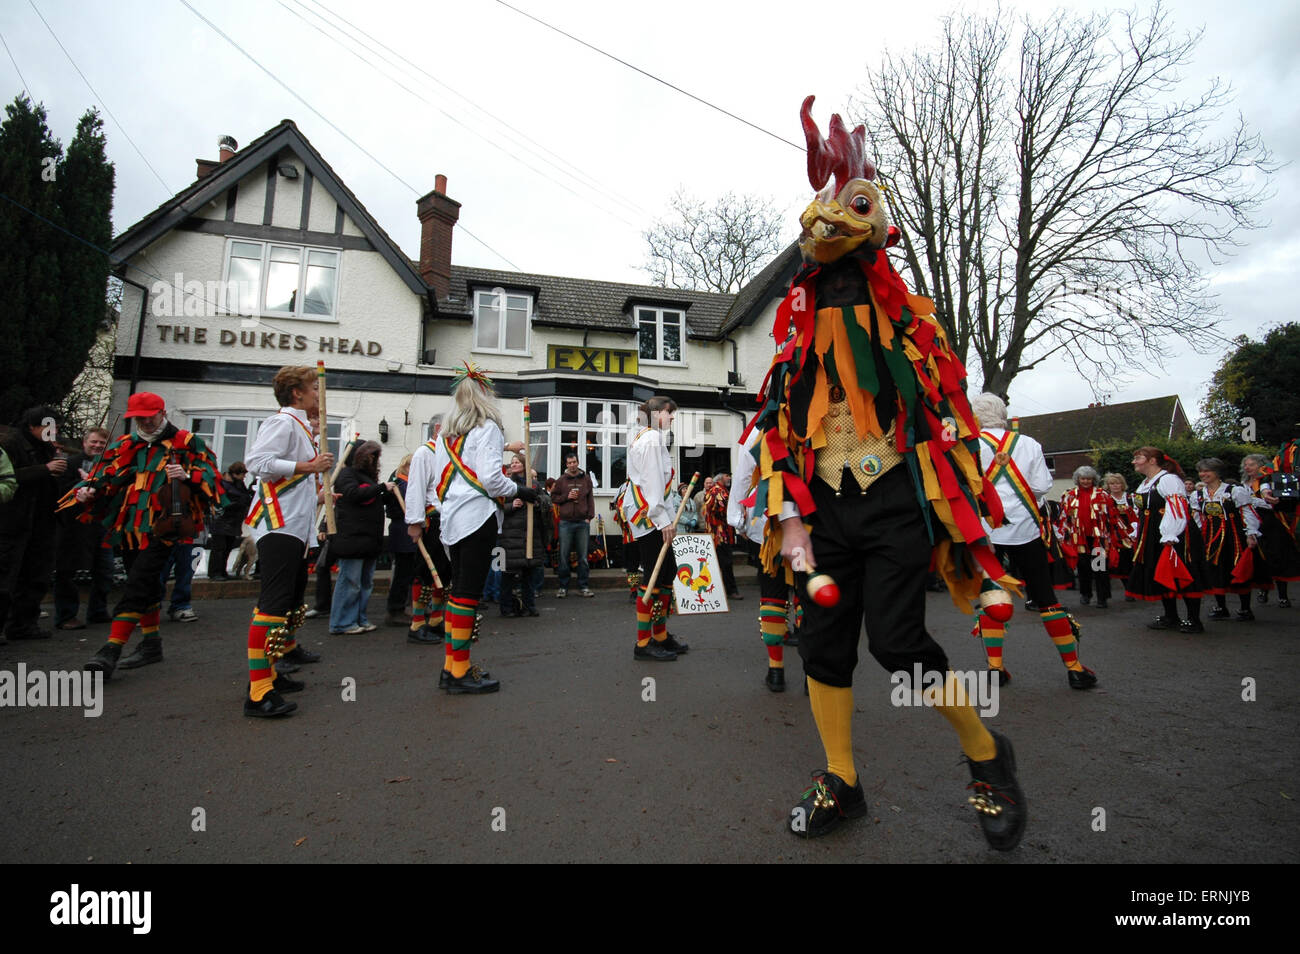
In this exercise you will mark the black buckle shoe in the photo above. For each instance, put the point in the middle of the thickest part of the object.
(105, 660)
(300, 655)
(997, 797)
(474, 682)
(1219, 612)
(1284, 604)
(829, 801)
(653, 652)
(271, 706)
(284, 684)
(1244, 616)
(1191, 626)
(775, 679)
(1163, 622)
(671, 644)
(1082, 680)
(149, 651)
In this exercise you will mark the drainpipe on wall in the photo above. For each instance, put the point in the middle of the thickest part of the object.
(139, 331)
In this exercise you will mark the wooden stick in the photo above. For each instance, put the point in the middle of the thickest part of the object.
(331, 527)
(338, 466)
(663, 551)
(419, 543)
(600, 526)
(528, 476)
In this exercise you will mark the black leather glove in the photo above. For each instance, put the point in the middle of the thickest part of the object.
(527, 494)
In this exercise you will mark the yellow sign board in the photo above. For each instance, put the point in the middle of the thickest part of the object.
(598, 360)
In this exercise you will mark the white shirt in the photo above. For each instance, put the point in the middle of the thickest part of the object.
(283, 441)
(421, 485)
(464, 508)
(1020, 525)
(650, 471)
(738, 515)
(1174, 522)
(1240, 497)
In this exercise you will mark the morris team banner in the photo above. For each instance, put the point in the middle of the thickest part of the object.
(697, 582)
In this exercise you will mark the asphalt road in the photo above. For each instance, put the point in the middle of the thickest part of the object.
(575, 765)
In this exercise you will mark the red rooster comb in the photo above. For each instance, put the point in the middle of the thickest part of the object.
(844, 155)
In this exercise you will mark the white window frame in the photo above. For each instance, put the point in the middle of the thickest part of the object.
(216, 442)
(504, 294)
(260, 310)
(611, 433)
(658, 313)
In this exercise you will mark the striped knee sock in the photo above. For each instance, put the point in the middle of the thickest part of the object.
(149, 621)
(260, 673)
(1057, 623)
(435, 614)
(992, 633)
(644, 614)
(771, 626)
(124, 625)
(659, 622)
(460, 617)
(417, 607)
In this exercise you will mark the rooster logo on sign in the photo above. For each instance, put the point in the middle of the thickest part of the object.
(701, 583)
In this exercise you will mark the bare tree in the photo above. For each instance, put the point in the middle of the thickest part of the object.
(716, 247)
(1066, 207)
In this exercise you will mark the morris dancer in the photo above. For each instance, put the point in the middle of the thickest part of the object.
(284, 461)
(1089, 524)
(124, 492)
(865, 433)
(652, 524)
(1014, 464)
(631, 556)
(1167, 553)
(774, 591)
(428, 600)
(471, 444)
(1276, 544)
(1229, 533)
(1124, 505)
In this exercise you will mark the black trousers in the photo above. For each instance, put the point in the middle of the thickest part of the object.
(727, 560)
(324, 582)
(283, 561)
(648, 546)
(1087, 576)
(399, 590)
(471, 558)
(1029, 562)
(219, 555)
(876, 548)
(144, 586)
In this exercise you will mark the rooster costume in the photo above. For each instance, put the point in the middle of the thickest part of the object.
(866, 434)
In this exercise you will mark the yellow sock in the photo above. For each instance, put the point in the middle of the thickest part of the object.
(976, 741)
(832, 709)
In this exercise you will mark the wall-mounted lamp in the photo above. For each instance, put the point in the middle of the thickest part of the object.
(407, 415)
(383, 431)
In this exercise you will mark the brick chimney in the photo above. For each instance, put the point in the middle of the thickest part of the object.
(226, 147)
(438, 215)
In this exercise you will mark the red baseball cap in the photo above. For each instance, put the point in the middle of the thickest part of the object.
(144, 404)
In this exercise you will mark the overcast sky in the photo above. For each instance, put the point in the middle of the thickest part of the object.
(579, 153)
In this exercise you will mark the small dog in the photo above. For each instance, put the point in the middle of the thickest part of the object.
(247, 559)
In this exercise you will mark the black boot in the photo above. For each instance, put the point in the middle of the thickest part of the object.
(998, 798)
(149, 651)
(775, 679)
(105, 660)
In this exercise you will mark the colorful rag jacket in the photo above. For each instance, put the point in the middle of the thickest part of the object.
(131, 473)
(909, 370)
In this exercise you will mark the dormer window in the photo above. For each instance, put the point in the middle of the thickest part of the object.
(501, 321)
(661, 332)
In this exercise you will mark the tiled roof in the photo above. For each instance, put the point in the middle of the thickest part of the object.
(587, 303)
(1104, 423)
(768, 284)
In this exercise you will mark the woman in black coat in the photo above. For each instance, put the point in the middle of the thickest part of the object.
(514, 541)
(227, 523)
(359, 516)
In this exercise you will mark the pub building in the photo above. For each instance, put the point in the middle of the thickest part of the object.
(268, 259)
